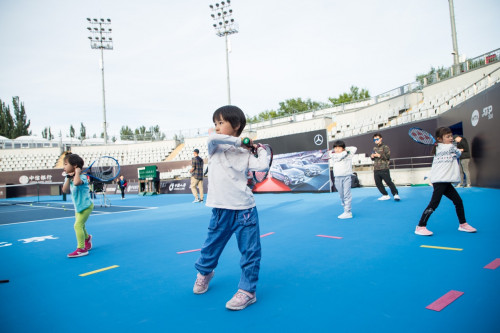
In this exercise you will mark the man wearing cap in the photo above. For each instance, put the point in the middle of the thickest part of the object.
(463, 146)
(197, 176)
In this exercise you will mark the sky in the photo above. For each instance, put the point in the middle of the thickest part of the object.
(168, 67)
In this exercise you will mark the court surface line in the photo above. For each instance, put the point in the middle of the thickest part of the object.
(68, 217)
(188, 251)
(99, 270)
(326, 236)
(442, 248)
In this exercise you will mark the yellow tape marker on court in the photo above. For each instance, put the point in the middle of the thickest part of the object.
(442, 248)
(99, 270)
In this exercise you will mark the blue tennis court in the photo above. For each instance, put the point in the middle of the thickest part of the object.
(318, 273)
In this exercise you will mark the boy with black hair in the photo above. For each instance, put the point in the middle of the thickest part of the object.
(342, 172)
(234, 210)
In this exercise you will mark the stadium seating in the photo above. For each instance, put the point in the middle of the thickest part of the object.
(402, 105)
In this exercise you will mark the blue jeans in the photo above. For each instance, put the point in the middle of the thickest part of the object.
(243, 223)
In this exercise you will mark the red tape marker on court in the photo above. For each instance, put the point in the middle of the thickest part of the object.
(494, 264)
(329, 236)
(269, 233)
(189, 251)
(444, 300)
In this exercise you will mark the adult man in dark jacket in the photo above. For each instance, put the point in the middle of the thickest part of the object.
(197, 176)
(381, 156)
(463, 146)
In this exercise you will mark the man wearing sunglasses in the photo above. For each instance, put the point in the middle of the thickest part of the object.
(380, 156)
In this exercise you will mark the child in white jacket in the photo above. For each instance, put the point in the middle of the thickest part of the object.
(233, 205)
(445, 170)
(342, 171)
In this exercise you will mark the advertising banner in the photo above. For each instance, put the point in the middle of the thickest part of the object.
(299, 164)
(181, 186)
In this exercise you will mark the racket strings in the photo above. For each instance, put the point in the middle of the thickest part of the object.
(421, 136)
(104, 168)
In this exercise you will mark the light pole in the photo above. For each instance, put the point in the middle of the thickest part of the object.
(454, 38)
(100, 38)
(224, 26)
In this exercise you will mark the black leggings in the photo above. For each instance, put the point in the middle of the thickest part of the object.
(448, 191)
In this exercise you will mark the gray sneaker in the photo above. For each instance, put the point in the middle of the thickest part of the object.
(240, 301)
(201, 283)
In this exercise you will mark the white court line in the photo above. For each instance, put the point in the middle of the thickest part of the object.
(72, 217)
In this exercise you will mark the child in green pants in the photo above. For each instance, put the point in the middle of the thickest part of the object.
(77, 184)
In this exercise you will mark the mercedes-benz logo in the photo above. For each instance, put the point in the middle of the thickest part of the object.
(318, 139)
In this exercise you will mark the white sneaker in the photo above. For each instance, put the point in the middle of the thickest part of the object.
(396, 197)
(345, 215)
(196, 200)
(384, 197)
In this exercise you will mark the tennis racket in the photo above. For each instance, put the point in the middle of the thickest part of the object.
(104, 169)
(421, 136)
(260, 176)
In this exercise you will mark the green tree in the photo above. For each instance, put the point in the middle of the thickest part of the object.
(7, 125)
(354, 94)
(83, 132)
(47, 133)
(126, 133)
(21, 123)
(288, 107)
(434, 75)
(6, 121)
(140, 133)
(156, 134)
(3, 110)
(71, 131)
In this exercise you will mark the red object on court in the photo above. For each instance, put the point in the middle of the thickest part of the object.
(494, 264)
(271, 185)
(444, 300)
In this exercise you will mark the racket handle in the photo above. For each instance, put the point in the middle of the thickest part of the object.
(246, 142)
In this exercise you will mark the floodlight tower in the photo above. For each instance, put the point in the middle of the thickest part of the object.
(100, 38)
(455, 54)
(224, 26)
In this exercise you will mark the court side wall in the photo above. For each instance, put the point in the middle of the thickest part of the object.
(480, 118)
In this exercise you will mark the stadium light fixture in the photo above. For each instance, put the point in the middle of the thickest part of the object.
(224, 26)
(101, 39)
(455, 53)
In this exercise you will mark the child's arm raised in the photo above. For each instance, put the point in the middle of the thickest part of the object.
(217, 139)
(76, 178)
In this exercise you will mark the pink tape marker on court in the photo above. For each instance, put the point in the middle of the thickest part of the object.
(269, 233)
(494, 264)
(189, 251)
(329, 236)
(444, 300)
